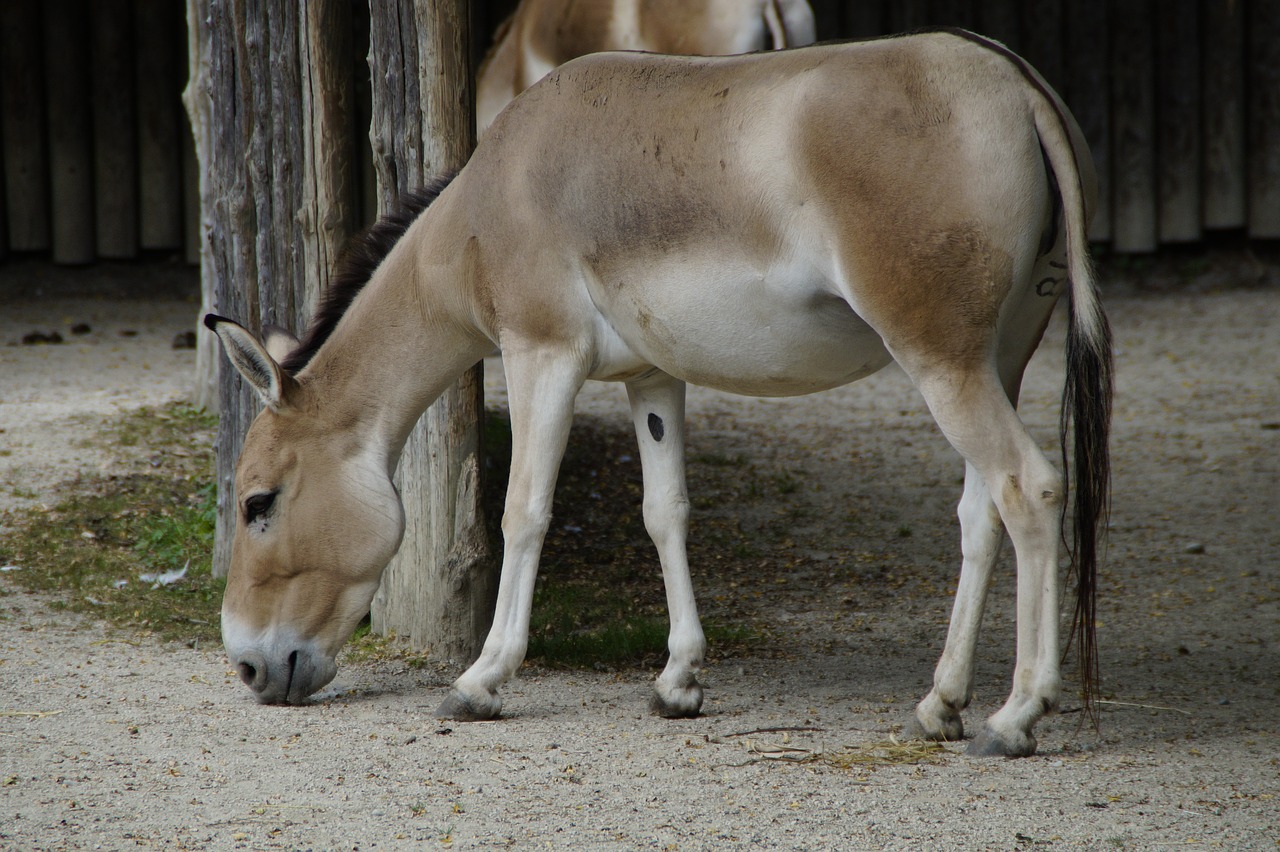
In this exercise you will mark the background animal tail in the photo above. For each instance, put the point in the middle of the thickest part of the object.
(1086, 395)
(790, 23)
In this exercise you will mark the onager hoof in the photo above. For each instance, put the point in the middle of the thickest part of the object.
(990, 744)
(457, 707)
(937, 721)
(683, 702)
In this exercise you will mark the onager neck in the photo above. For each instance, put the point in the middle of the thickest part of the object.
(405, 338)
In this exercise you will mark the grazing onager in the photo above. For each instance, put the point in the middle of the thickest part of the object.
(769, 224)
(542, 34)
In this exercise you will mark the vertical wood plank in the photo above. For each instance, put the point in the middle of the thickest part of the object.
(1000, 20)
(115, 164)
(159, 81)
(25, 143)
(908, 15)
(1088, 94)
(828, 20)
(190, 201)
(952, 13)
(1264, 120)
(66, 68)
(330, 193)
(439, 589)
(1178, 120)
(1042, 42)
(1223, 119)
(1133, 98)
(197, 98)
(861, 20)
(362, 125)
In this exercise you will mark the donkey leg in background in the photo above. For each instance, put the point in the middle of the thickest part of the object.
(541, 387)
(657, 408)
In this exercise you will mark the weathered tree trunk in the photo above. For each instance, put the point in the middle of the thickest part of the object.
(198, 101)
(439, 589)
(273, 177)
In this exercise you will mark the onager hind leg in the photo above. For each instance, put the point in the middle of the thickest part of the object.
(657, 408)
(938, 716)
(541, 387)
(978, 419)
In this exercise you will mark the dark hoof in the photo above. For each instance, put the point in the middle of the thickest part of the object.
(459, 709)
(952, 730)
(989, 744)
(659, 707)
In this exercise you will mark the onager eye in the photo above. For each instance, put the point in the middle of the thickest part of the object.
(257, 506)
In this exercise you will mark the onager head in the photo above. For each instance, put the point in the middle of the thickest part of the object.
(318, 520)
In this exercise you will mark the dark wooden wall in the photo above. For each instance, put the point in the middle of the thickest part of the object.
(1180, 101)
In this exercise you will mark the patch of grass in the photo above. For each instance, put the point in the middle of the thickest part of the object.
(90, 551)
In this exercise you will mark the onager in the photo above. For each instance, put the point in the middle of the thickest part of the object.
(542, 34)
(770, 224)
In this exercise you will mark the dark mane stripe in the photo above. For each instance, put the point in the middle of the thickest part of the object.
(363, 254)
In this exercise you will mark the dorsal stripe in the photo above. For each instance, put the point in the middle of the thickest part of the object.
(362, 256)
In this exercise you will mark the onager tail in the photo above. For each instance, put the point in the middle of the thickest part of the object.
(1086, 394)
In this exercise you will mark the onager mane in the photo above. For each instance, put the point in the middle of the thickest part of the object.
(362, 255)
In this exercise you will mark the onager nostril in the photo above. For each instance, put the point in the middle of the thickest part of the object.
(252, 669)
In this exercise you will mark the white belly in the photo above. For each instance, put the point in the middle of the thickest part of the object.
(780, 334)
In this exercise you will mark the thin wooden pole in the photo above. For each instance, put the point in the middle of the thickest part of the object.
(440, 587)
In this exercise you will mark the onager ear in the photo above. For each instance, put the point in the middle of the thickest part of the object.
(253, 361)
(279, 342)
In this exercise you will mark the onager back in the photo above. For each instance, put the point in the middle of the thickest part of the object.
(542, 34)
(770, 224)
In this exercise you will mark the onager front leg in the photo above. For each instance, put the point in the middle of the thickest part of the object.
(541, 387)
(657, 409)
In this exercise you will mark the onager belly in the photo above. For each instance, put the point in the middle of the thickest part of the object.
(782, 335)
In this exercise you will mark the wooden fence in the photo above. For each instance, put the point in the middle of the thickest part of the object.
(1180, 101)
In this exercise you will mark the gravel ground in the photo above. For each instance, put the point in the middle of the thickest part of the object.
(108, 740)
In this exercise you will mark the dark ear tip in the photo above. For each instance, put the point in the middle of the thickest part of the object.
(211, 321)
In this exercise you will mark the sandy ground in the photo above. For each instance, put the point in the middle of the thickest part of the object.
(111, 741)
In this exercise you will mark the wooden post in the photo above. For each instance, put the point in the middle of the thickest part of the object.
(1224, 192)
(1133, 99)
(1178, 120)
(26, 164)
(197, 98)
(439, 589)
(115, 162)
(1264, 120)
(66, 68)
(263, 157)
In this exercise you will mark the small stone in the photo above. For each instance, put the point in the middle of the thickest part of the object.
(81, 328)
(1194, 547)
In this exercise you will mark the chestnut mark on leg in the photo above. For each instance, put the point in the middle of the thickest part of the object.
(656, 427)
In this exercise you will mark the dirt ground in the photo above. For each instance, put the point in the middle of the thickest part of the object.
(112, 741)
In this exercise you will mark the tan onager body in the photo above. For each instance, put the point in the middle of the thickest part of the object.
(777, 223)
